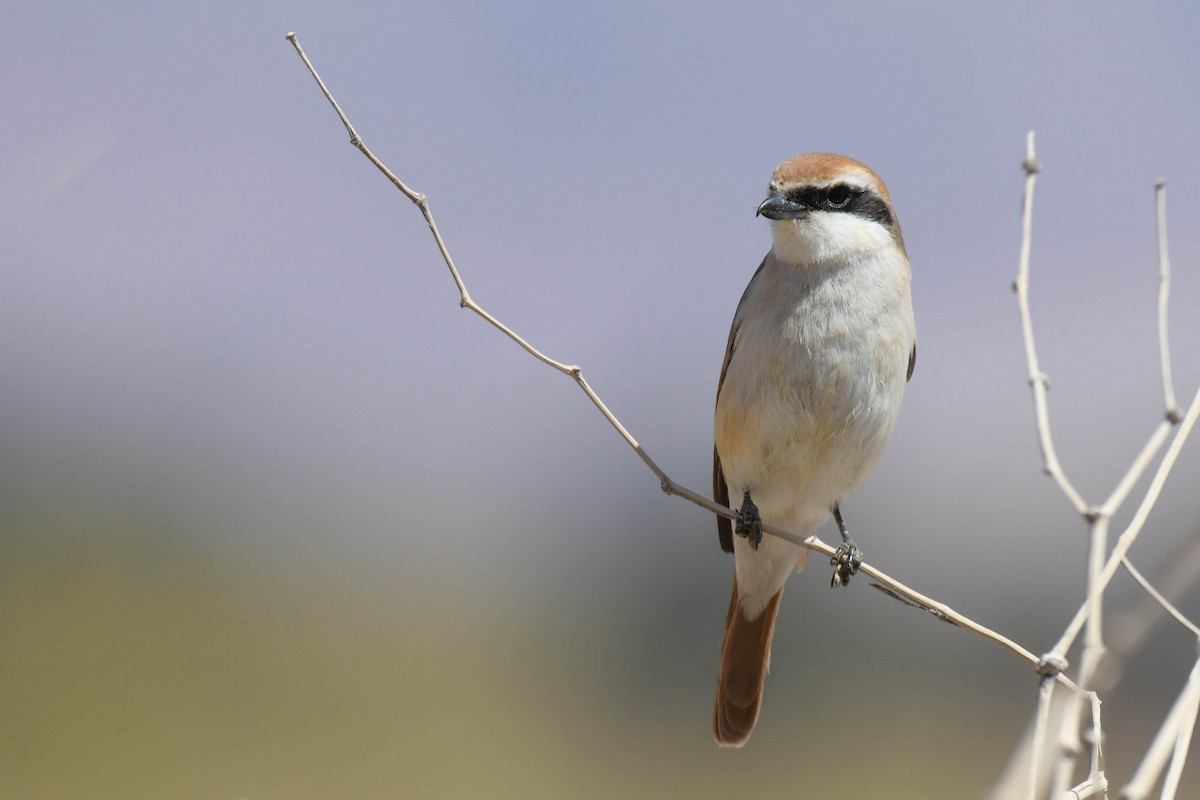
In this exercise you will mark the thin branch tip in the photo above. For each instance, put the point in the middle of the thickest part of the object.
(290, 36)
(1031, 165)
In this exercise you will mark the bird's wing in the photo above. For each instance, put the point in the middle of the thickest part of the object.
(721, 496)
(720, 489)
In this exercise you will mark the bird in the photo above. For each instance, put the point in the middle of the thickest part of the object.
(822, 345)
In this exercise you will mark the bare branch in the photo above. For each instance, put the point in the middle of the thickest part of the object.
(1068, 735)
(1097, 583)
(465, 300)
(1134, 473)
(1038, 380)
(1101, 564)
(1129, 536)
(1167, 605)
(1172, 739)
(1038, 739)
(1097, 776)
(1135, 625)
(1164, 290)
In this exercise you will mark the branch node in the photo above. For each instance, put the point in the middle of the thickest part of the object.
(1174, 415)
(1092, 514)
(1017, 284)
(1031, 166)
(1041, 378)
(1051, 665)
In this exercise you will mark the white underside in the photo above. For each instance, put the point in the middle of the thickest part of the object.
(811, 395)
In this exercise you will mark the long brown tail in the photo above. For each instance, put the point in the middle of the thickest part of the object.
(745, 657)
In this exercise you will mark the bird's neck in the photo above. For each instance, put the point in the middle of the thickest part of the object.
(835, 240)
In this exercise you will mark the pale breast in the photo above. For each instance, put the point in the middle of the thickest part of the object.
(814, 384)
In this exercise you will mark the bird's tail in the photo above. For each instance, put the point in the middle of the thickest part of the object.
(745, 658)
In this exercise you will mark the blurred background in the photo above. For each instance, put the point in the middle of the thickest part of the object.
(278, 520)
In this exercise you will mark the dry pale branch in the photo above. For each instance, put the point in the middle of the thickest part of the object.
(1133, 627)
(1164, 290)
(1161, 599)
(1170, 741)
(1130, 534)
(889, 585)
(1038, 380)
(1101, 564)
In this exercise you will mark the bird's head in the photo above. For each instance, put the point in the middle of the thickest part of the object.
(829, 208)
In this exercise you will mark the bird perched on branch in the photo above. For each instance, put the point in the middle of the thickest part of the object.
(822, 345)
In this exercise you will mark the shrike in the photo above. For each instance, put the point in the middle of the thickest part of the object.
(822, 344)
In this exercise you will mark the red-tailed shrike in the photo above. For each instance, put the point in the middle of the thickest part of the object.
(822, 344)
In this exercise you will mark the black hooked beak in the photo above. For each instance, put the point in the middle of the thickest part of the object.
(779, 206)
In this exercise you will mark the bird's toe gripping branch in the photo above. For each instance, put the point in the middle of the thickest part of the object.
(845, 562)
(847, 558)
(749, 523)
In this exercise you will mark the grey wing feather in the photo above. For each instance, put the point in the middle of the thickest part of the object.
(720, 489)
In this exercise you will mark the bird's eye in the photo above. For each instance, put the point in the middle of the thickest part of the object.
(838, 196)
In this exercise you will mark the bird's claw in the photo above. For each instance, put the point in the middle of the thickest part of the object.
(749, 523)
(845, 562)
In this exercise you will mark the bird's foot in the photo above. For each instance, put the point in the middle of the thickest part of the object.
(847, 558)
(845, 562)
(749, 523)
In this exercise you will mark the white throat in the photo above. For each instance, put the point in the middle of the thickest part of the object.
(822, 237)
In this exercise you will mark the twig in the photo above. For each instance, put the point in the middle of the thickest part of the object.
(1167, 605)
(1167, 741)
(1129, 536)
(1135, 625)
(1097, 777)
(1038, 380)
(1097, 583)
(1068, 736)
(465, 301)
(1038, 739)
(1183, 741)
(1134, 473)
(893, 586)
(1100, 568)
(1164, 290)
